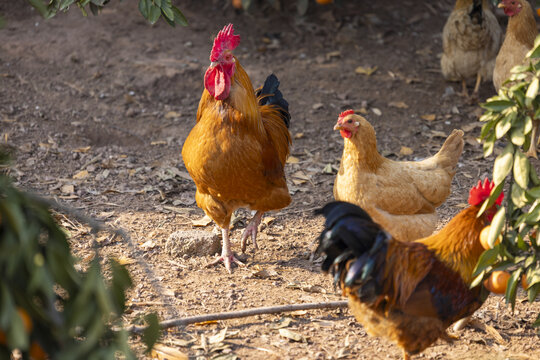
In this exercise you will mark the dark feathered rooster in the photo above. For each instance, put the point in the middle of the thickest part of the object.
(407, 292)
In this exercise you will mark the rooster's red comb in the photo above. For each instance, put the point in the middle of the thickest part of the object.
(481, 192)
(225, 40)
(345, 113)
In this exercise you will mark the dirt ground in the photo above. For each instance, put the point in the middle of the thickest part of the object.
(97, 109)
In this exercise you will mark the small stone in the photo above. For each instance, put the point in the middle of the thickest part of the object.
(192, 243)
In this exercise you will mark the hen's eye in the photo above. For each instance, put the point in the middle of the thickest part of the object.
(349, 121)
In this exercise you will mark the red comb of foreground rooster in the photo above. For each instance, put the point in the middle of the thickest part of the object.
(236, 151)
(408, 292)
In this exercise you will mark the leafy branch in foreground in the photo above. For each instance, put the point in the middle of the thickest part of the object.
(152, 10)
(513, 116)
(48, 309)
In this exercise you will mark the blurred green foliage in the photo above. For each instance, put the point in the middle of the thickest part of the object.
(46, 305)
(513, 117)
(152, 10)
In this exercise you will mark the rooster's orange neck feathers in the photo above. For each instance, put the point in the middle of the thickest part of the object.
(457, 244)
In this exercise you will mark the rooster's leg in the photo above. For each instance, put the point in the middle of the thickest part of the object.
(406, 355)
(227, 255)
(251, 229)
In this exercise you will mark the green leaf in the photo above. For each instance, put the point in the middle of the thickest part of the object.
(167, 11)
(154, 14)
(511, 287)
(534, 192)
(532, 91)
(488, 126)
(517, 137)
(179, 18)
(65, 4)
(535, 51)
(532, 292)
(497, 105)
(503, 164)
(534, 215)
(478, 279)
(518, 196)
(94, 9)
(489, 144)
(521, 169)
(489, 202)
(502, 127)
(152, 332)
(144, 8)
(487, 259)
(40, 6)
(534, 176)
(496, 226)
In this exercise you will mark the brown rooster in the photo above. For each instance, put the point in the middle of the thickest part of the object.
(237, 150)
(401, 196)
(407, 292)
(471, 39)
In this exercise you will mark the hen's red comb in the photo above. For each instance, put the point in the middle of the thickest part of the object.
(481, 192)
(225, 40)
(345, 113)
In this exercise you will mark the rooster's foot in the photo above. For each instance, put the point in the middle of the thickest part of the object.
(251, 231)
(227, 260)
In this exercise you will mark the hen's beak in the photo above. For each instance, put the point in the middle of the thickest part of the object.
(501, 5)
(338, 127)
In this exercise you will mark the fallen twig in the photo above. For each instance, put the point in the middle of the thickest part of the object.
(241, 313)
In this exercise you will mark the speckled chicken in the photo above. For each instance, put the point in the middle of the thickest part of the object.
(471, 39)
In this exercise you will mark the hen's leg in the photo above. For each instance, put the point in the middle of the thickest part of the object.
(251, 229)
(227, 255)
(464, 89)
(477, 85)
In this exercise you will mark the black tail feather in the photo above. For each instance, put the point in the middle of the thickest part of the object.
(351, 234)
(274, 97)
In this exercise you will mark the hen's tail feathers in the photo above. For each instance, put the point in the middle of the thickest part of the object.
(351, 242)
(269, 94)
(476, 12)
(448, 156)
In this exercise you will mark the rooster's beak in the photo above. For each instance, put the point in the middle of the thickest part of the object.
(501, 5)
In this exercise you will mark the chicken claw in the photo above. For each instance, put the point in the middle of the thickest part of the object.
(228, 260)
(251, 229)
(227, 256)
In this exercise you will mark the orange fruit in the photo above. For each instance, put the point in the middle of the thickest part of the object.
(237, 4)
(37, 352)
(484, 234)
(524, 282)
(27, 321)
(324, 2)
(497, 282)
